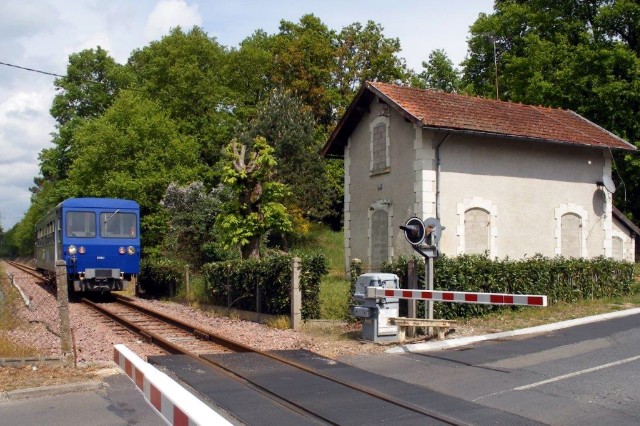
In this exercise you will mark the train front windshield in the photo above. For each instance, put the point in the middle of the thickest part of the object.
(81, 224)
(118, 225)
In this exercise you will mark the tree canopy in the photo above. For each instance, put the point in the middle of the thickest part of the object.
(158, 128)
(581, 56)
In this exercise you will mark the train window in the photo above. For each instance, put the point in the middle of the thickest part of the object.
(118, 225)
(81, 224)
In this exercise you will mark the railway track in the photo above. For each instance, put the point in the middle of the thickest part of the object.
(179, 337)
(27, 269)
(175, 336)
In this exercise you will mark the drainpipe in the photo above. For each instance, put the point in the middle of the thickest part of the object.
(438, 167)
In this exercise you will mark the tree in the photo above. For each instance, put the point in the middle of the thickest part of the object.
(92, 82)
(439, 73)
(134, 150)
(581, 56)
(289, 127)
(304, 62)
(365, 54)
(255, 207)
(249, 73)
(192, 211)
(184, 72)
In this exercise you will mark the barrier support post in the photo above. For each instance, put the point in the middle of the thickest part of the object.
(66, 343)
(296, 296)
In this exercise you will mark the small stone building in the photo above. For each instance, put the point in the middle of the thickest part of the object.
(503, 178)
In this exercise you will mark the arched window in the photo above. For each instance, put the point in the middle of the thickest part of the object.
(571, 235)
(379, 238)
(617, 248)
(477, 228)
(477, 223)
(571, 221)
(379, 162)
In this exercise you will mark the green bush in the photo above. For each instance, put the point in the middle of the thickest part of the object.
(263, 285)
(567, 280)
(160, 276)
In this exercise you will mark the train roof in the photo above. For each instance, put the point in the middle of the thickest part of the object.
(108, 203)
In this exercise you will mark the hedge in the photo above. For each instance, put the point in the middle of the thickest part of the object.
(160, 277)
(561, 279)
(235, 284)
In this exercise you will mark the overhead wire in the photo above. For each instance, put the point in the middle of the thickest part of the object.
(62, 76)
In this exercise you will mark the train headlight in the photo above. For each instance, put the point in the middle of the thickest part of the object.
(82, 250)
(72, 250)
(131, 250)
(121, 250)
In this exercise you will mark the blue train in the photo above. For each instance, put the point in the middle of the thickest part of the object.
(98, 238)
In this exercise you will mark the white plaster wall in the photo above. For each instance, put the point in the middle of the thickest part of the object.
(628, 242)
(526, 182)
(366, 190)
(524, 186)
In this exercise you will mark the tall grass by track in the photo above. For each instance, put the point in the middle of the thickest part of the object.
(8, 320)
(334, 288)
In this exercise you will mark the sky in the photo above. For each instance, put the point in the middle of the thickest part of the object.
(41, 34)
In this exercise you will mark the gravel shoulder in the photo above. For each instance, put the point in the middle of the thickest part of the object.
(95, 336)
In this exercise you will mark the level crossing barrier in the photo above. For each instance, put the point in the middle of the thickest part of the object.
(459, 296)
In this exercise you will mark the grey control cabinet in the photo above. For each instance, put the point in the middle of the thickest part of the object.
(375, 312)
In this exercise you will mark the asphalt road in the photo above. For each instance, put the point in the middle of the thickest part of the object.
(584, 375)
(119, 403)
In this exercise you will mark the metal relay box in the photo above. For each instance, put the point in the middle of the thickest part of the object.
(375, 312)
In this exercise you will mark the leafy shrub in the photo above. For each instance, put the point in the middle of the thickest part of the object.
(263, 285)
(561, 279)
(160, 276)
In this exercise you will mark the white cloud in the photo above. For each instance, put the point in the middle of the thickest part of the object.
(25, 125)
(169, 14)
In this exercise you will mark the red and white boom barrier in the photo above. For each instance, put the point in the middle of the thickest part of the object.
(459, 296)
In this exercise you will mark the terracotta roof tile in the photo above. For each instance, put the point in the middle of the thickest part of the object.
(459, 112)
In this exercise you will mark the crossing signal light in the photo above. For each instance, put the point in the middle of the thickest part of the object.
(414, 231)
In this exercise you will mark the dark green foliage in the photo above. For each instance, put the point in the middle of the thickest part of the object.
(567, 280)
(582, 56)
(313, 267)
(160, 276)
(240, 283)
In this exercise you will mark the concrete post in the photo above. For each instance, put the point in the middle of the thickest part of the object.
(66, 343)
(412, 284)
(428, 282)
(296, 296)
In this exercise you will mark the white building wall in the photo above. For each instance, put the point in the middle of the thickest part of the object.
(628, 241)
(523, 185)
(528, 183)
(395, 189)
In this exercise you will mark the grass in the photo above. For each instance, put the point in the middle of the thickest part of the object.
(334, 297)
(529, 317)
(8, 298)
(334, 288)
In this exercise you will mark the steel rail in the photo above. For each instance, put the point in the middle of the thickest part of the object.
(172, 348)
(241, 347)
(24, 268)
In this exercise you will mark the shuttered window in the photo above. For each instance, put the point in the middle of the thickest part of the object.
(379, 238)
(571, 235)
(476, 231)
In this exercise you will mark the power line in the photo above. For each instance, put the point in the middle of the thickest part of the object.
(32, 70)
(62, 76)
